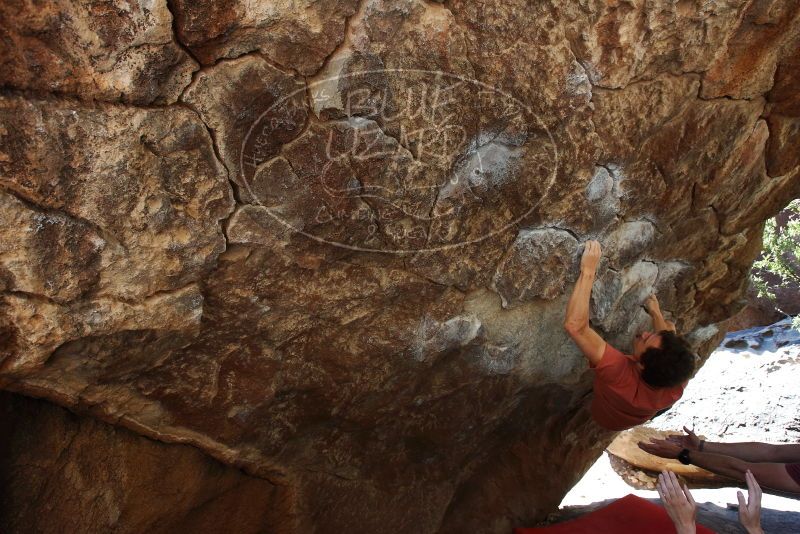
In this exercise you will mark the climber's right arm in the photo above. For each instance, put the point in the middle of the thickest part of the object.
(576, 322)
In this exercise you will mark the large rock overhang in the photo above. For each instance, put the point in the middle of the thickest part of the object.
(333, 246)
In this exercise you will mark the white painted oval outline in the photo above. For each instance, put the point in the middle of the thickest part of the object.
(400, 251)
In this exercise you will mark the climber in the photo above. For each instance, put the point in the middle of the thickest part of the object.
(628, 389)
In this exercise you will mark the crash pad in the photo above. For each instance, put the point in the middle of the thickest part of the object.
(625, 515)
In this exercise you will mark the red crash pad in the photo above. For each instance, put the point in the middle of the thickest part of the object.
(626, 515)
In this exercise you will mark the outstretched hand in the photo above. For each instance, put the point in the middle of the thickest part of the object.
(689, 441)
(678, 502)
(750, 511)
(661, 447)
(591, 256)
(651, 305)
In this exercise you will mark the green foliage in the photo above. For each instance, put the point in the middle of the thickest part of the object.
(781, 255)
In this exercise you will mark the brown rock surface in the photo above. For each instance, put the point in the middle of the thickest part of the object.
(296, 34)
(72, 265)
(374, 321)
(107, 50)
(64, 473)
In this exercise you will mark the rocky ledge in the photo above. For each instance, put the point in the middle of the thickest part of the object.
(330, 243)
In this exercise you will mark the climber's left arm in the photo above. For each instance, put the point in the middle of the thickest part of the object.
(654, 309)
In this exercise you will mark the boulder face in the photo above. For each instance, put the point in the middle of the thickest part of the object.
(67, 473)
(331, 243)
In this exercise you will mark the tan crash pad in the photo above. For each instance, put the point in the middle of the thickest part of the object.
(625, 448)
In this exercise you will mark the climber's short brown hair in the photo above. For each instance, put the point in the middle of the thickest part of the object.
(671, 364)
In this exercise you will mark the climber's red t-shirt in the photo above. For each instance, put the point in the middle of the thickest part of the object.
(621, 398)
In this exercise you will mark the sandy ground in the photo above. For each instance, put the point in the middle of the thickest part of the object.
(748, 390)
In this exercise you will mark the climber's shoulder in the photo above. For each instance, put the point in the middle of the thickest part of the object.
(613, 364)
(591, 344)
